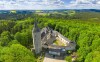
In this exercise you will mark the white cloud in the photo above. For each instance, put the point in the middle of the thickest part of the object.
(49, 4)
(84, 4)
(98, 2)
(31, 4)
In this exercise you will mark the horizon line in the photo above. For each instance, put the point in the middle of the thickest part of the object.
(49, 9)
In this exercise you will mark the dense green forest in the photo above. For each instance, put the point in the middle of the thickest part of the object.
(16, 35)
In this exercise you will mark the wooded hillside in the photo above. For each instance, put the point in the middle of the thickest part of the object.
(16, 36)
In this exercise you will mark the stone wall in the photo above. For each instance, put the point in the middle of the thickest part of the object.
(50, 37)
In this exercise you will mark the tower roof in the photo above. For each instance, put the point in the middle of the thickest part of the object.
(36, 28)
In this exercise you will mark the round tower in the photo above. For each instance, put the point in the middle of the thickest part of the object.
(36, 33)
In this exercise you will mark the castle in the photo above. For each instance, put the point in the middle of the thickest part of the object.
(45, 39)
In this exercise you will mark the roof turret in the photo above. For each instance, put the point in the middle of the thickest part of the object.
(36, 28)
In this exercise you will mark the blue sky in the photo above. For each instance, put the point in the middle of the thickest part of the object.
(48, 4)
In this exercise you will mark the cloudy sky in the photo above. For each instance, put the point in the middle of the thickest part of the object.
(48, 4)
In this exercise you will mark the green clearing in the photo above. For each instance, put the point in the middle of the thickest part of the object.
(59, 43)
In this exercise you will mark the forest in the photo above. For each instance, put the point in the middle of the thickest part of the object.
(81, 27)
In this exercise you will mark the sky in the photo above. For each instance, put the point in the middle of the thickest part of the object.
(48, 4)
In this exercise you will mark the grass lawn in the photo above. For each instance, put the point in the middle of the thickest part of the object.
(59, 43)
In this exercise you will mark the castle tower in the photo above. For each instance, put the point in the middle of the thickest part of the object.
(37, 39)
